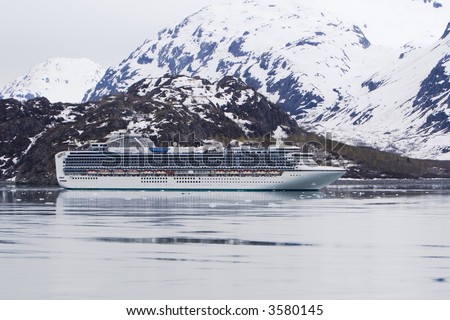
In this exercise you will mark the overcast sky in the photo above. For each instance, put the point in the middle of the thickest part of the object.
(107, 31)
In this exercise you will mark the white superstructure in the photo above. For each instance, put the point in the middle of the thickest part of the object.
(133, 162)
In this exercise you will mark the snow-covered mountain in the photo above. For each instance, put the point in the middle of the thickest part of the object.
(284, 49)
(324, 71)
(403, 108)
(57, 79)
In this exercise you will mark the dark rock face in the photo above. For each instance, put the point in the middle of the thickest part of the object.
(21, 126)
(235, 48)
(446, 32)
(434, 91)
(362, 38)
(34, 131)
(297, 101)
(371, 85)
(255, 108)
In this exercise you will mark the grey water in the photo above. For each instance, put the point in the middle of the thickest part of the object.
(377, 240)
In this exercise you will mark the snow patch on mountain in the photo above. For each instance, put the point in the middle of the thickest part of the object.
(57, 79)
(392, 22)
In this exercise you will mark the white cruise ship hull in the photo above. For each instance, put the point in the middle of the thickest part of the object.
(310, 178)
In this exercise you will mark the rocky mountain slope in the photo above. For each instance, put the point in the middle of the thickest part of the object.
(167, 109)
(320, 69)
(403, 108)
(57, 79)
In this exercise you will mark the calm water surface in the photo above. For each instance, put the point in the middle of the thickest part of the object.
(345, 242)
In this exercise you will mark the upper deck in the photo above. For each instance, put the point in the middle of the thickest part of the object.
(133, 152)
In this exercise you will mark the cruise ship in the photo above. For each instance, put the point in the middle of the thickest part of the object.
(133, 162)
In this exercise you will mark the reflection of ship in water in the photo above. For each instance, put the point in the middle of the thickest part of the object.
(129, 202)
(181, 218)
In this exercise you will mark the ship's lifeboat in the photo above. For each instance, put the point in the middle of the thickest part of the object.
(220, 172)
(133, 172)
(104, 172)
(119, 172)
(160, 172)
(92, 172)
(234, 172)
(148, 172)
(247, 172)
(261, 172)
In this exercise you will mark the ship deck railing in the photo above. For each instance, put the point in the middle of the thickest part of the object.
(217, 172)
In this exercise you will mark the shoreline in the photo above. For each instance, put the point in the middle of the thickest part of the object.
(413, 184)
